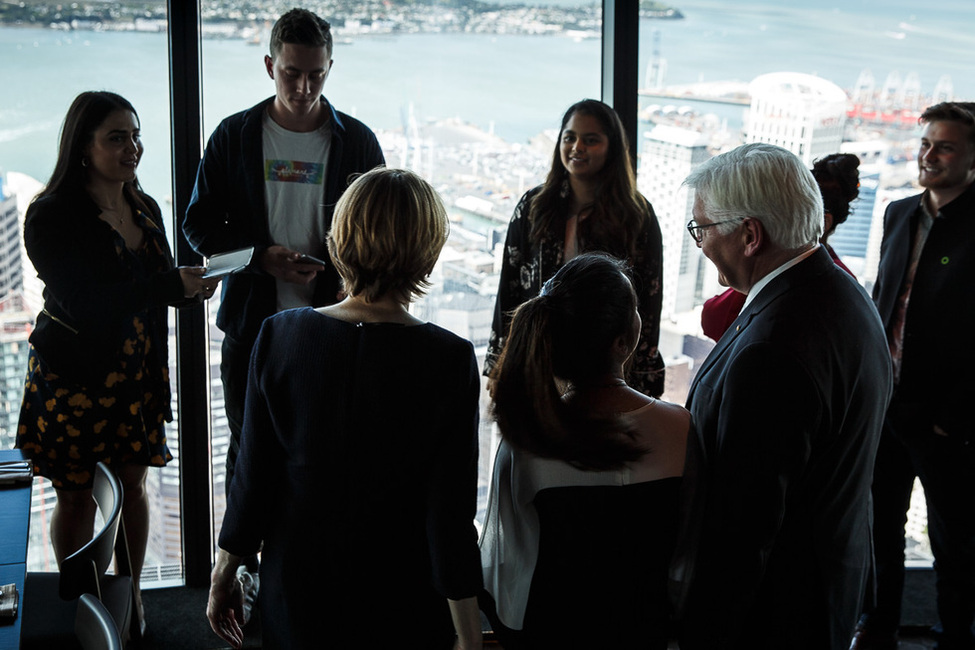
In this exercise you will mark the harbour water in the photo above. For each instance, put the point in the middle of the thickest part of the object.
(515, 86)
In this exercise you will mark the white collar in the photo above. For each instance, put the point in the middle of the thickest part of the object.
(761, 284)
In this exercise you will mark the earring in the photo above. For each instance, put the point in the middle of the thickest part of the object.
(564, 190)
(84, 162)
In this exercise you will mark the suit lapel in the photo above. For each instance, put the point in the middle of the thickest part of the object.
(732, 333)
(814, 264)
(895, 254)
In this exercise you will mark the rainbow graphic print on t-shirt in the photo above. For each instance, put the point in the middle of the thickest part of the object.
(293, 171)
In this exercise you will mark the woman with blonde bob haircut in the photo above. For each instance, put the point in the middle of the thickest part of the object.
(342, 479)
(387, 233)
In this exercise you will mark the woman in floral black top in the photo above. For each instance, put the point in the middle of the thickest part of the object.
(589, 202)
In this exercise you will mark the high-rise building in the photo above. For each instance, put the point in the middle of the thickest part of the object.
(16, 312)
(11, 268)
(851, 238)
(800, 112)
(16, 324)
(669, 155)
(22, 188)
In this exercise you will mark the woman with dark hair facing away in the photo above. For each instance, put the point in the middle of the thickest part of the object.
(582, 512)
(588, 202)
(98, 368)
(358, 463)
(838, 177)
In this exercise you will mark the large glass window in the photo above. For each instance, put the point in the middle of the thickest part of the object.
(470, 98)
(52, 52)
(817, 79)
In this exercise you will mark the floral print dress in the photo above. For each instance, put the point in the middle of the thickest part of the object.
(66, 428)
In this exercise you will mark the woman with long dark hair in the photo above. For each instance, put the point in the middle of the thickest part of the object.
(588, 202)
(98, 368)
(582, 512)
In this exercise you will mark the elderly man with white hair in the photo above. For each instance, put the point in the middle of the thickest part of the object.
(787, 410)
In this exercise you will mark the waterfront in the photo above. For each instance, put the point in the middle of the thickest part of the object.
(491, 81)
(373, 79)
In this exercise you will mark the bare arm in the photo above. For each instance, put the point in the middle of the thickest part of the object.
(467, 623)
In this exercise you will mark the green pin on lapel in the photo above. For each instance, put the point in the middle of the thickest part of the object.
(944, 260)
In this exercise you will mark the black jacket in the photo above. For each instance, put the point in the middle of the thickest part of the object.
(90, 294)
(938, 358)
(227, 210)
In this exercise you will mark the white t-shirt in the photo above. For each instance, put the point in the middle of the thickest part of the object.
(295, 168)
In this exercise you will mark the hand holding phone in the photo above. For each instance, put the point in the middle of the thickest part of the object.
(308, 259)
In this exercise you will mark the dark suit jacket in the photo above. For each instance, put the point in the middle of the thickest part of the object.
(938, 360)
(788, 410)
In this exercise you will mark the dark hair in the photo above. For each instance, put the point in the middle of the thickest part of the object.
(301, 27)
(619, 211)
(838, 177)
(566, 334)
(960, 112)
(87, 112)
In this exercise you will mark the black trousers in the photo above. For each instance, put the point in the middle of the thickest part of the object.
(909, 447)
(234, 362)
(234, 359)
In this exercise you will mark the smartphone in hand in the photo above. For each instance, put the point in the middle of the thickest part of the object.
(308, 259)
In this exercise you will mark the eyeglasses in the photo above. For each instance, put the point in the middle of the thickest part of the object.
(697, 231)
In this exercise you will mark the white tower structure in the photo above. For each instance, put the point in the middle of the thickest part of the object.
(864, 89)
(799, 112)
(944, 91)
(657, 66)
(909, 96)
(891, 90)
(669, 155)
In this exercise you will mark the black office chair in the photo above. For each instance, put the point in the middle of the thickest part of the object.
(51, 600)
(94, 625)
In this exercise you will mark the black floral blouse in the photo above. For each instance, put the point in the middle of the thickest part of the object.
(526, 267)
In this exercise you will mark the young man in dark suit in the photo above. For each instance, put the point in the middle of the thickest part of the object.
(924, 292)
(787, 410)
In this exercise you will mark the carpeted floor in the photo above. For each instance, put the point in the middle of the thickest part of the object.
(176, 618)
